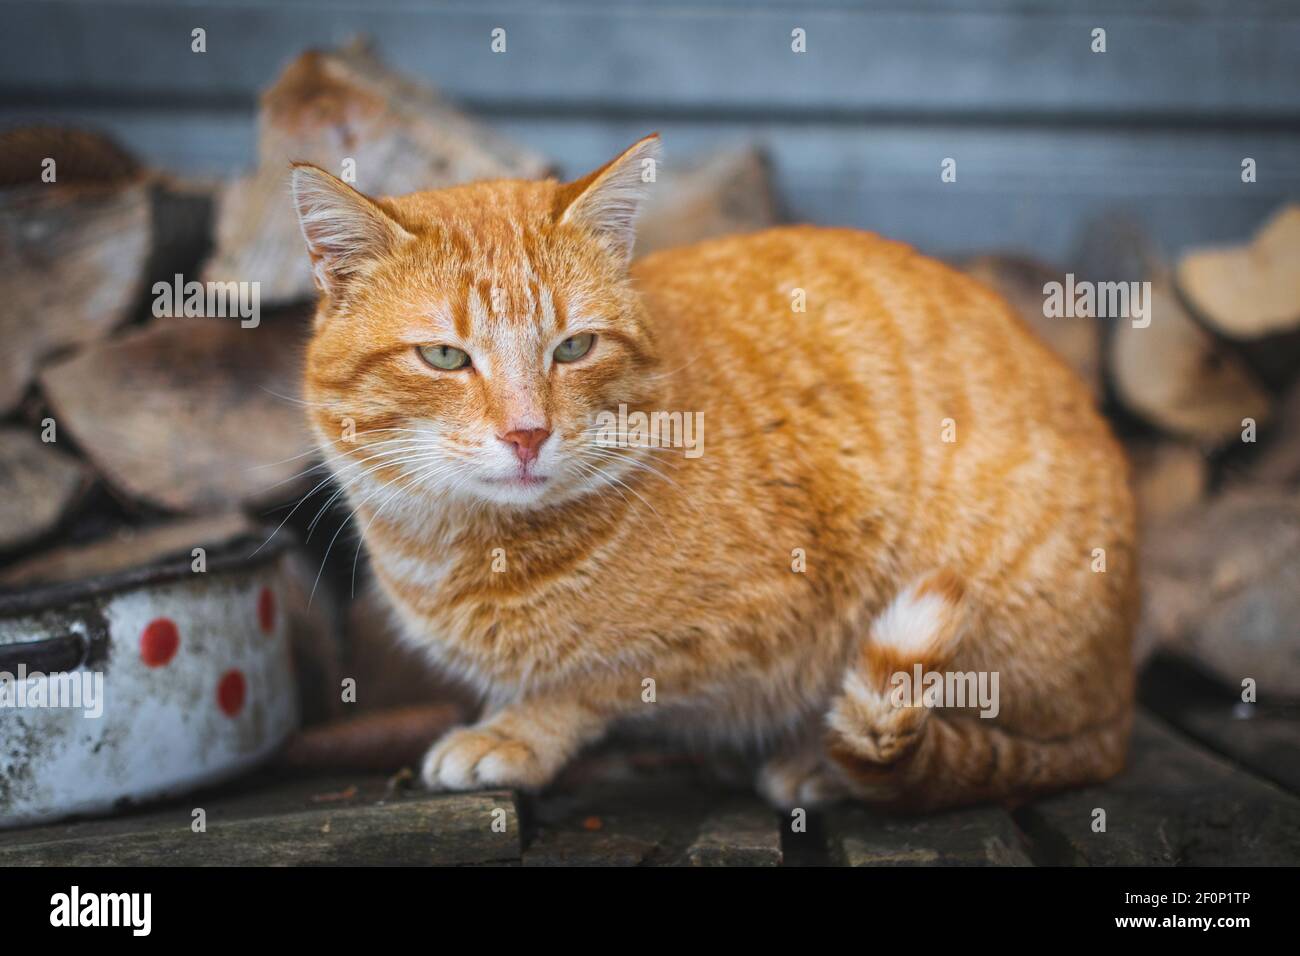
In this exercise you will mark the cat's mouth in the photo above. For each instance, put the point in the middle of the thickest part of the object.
(518, 481)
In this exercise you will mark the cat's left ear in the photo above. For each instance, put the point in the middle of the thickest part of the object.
(606, 202)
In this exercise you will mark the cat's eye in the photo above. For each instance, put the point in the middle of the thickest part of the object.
(574, 347)
(444, 357)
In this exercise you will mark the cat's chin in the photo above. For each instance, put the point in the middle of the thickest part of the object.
(515, 491)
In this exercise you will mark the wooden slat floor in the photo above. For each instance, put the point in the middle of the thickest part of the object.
(1207, 784)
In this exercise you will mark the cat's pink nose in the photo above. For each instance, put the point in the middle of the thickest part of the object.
(526, 441)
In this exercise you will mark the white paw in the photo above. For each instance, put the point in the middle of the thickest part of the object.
(787, 783)
(474, 758)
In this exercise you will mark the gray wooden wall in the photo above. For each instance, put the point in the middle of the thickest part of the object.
(1045, 132)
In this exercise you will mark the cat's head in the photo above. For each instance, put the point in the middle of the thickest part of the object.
(467, 338)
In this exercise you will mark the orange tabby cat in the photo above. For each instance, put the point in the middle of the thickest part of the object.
(896, 480)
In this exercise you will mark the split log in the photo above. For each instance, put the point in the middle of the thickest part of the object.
(1171, 373)
(1221, 588)
(725, 192)
(1020, 281)
(127, 548)
(1176, 376)
(191, 415)
(40, 487)
(73, 252)
(1278, 461)
(1252, 290)
(328, 107)
(1168, 478)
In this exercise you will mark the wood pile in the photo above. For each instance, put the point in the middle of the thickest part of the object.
(347, 113)
(131, 424)
(1203, 389)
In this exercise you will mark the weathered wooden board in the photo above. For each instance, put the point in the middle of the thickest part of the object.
(1018, 188)
(1175, 804)
(742, 835)
(618, 808)
(1263, 736)
(1266, 742)
(308, 823)
(981, 836)
(1166, 57)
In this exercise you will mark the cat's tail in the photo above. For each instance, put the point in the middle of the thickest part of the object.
(894, 748)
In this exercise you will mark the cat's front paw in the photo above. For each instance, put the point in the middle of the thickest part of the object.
(474, 758)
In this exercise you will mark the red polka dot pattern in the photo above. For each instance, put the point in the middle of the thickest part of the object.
(159, 642)
(231, 692)
(266, 610)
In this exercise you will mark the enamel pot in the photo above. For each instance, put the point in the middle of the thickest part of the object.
(143, 682)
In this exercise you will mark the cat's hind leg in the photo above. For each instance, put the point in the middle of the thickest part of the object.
(800, 776)
(891, 750)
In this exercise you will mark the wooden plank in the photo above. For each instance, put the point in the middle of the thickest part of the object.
(647, 807)
(294, 827)
(741, 835)
(1164, 58)
(1268, 743)
(1024, 189)
(978, 836)
(1175, 804)
(1017, 188)
(1263, 736)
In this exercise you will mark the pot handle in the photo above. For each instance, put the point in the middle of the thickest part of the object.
(64, 653)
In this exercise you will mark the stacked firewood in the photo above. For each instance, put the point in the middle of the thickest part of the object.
(1201, 383)
(125, 404)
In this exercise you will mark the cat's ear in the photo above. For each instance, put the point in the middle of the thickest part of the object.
(344, 229)
(606, 202)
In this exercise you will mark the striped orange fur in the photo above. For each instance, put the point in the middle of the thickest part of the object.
(897, 474)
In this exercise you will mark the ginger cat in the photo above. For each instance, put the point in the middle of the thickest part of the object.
(895, 473)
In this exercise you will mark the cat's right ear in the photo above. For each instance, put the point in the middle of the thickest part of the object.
(344, 229)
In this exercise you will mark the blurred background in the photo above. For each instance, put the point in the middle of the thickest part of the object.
(1025, 141)
(1045, 131)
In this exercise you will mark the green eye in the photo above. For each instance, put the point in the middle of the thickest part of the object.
(572, 349)
(444, 357)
